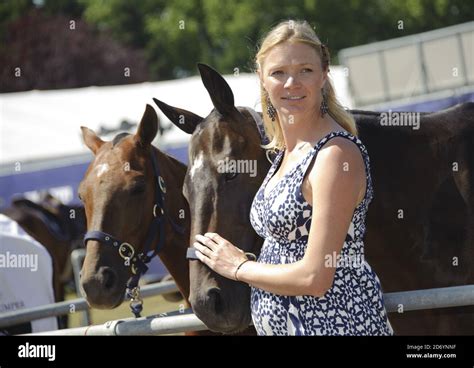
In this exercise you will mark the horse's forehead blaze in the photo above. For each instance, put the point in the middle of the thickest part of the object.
(196, 165)
(101, 169)
(117, 159)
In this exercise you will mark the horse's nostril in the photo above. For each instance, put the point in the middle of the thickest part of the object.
(109, 278)
(215, 299)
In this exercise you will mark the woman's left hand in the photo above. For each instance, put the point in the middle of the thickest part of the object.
(219, 254)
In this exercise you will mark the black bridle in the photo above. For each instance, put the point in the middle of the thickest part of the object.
(138, 262)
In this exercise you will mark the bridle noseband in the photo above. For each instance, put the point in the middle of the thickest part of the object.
(138, 262)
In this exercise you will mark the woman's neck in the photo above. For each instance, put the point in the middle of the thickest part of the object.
(296, 131)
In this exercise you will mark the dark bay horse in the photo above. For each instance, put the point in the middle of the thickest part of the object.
(220, 199)
(420, 225)
(58, 227)
(120, 191)
(427, 174)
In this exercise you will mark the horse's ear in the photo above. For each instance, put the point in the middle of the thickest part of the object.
(91, 139)
(221, 94)
(148, 127)
(183, 119)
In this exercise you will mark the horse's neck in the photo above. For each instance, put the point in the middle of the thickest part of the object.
(258, 126)
(173, 254)
(173, 173)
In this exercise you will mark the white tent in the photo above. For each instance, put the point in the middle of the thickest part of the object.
(45, 124)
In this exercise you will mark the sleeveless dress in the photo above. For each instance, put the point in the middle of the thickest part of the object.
(354, 304)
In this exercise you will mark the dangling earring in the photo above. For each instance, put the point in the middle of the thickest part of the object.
(270, 109)
(324, 104)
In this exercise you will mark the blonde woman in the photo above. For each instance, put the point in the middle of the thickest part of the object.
(311, 277)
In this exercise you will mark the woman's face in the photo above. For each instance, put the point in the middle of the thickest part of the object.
(293, 77)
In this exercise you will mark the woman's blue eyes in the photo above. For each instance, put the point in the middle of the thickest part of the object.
(279, 72)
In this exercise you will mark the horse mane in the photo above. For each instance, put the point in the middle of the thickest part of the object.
(52, 221)
(170, 159)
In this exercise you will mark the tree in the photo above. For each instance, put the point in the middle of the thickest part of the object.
(45, 51)
(175, 35)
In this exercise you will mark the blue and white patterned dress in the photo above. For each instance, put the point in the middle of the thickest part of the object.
(354, 304)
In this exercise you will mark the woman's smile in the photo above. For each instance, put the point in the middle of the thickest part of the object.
(293, 98)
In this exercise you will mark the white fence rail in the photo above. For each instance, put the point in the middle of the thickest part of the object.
(177, 322)
(79, 304)
(170, 324)
(454, 296)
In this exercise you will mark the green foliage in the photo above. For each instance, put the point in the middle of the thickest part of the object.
(65, 7)
(124, 19)
(176, 34)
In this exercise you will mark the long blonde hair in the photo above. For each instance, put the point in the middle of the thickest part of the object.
(298, 31)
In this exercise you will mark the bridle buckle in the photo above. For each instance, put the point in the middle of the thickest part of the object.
(126, 251)
(155, 208)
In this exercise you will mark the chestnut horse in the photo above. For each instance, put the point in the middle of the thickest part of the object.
(426, 173)
(132, 191)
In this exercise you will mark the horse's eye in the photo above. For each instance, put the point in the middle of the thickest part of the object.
(138, 189)
(230, 176)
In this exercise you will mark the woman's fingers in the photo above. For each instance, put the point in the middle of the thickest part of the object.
(206, 241)
(203, 258)
(215, 237)
(202, 249)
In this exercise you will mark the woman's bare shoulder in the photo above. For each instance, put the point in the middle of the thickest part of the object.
(339, 156)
